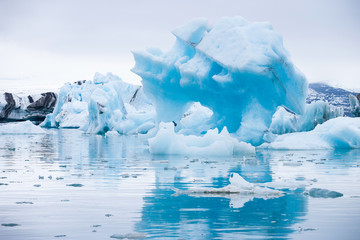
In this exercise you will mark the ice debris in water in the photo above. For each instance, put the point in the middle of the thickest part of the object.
(212, 143)
(26, 127)
(10, 224)
(104, 104)
(238, 69)
(75, 185)
(129, 236)
(239, 191)
(323, 193)
(341, 132)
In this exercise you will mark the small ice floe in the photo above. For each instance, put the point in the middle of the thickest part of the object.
(300, 229)
(24, 202)
(74, 185)
(26, 127)
(10, 225)
(129, 236)
(323, 193)
(239, 191)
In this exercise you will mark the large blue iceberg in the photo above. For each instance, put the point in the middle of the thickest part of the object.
(238, 69)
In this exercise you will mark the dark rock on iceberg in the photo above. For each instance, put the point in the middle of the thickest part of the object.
(21, 107)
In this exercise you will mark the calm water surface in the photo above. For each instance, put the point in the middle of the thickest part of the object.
(69, 185)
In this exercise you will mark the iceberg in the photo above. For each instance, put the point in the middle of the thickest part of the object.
(341, 132)
(26, 128)
(355, 105)
(239, 191)
(323, 193)
(239, 70)
(104, 104)
(24, 106)
(284, 121)
(212, 143)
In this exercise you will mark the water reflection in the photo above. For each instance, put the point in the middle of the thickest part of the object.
(194, 217)
(79, 181)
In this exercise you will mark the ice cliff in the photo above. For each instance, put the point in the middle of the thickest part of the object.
(104, 104)
(240, 70)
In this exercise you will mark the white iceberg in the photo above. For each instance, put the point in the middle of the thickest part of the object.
(104, 104)
(284, 121)
(341, 132)
(26, 127)
(239, 191)
(240, 70)
(212, 143)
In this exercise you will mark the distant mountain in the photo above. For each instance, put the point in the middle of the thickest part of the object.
(335, 96)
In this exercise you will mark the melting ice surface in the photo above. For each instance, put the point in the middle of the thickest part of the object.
(69, 185)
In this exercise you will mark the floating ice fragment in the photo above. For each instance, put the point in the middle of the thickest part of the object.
(24, 202)
(212, 143)
(75, 185)
(10, 225)
(323, 193)
(239, 191)
(129, 236)
(26, 128)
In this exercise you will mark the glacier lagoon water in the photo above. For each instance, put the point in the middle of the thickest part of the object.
(70, 185)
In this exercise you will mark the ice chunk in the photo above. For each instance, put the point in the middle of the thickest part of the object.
(355, 105)
(284, 121)
(341, 132)
(239, 191)
(196, 120)
(238, 69)
(323, 193)
(129, 236)
(212, 143)
(104, 104)
(26, 127)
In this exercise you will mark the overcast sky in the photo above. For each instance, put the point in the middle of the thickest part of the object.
(46, 43)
